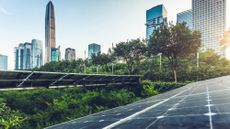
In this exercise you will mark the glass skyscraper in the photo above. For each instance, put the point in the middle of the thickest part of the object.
(23, 56)
(93, 49)
(209, 17)
(155, 17)
(70, 54)
(186, 17)
(37, 53)
(55, 54)
(50, 39)
(19, 52)
(28, 55)
(3, 62)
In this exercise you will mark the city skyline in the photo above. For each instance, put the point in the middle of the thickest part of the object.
(103, 26)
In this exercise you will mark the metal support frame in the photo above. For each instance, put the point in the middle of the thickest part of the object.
(58, 80)
(19, 85)
(103, 77)
(30, 79)
(114, 79)
(81, 80)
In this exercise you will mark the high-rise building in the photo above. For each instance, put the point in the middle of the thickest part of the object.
(28, 55)
(19, 56)
(50, 39)
(155, 17)
(27, 62)
(23, 56)
(55, 54)
(186, 17)
(16, 55)
(93, 49)
(3, 62)
(209, 17)
(70, 54)
(37, 53)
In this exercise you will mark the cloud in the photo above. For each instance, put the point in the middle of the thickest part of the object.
(4, 11)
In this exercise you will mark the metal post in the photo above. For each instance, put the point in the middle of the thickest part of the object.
(112, 68)
(160, 62)
(84, 61)
(197, 64)
(97, 68)
(197, 60)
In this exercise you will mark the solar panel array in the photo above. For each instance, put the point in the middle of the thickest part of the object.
(199, 105)
(16, 79)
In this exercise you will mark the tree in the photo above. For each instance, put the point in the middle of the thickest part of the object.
(132, 52)
(76, 66)
(225, 41)
(101, 59)
(174, 41)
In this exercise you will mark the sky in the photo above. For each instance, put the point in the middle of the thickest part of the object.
(78, 22)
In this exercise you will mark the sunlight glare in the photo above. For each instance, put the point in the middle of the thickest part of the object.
(228, 53)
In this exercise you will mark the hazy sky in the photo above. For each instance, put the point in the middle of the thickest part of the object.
(78, 22)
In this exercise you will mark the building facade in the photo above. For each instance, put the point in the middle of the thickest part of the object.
(93, 49)
(70, 54)
(19, 56)
(55, 54)
(37, 53)
(209, 17)
(186, 17)
(50, 38)
(3, 62)
(155, 17)
(28, 55)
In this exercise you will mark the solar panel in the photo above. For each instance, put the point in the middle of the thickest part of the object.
(199, 105)
(16, 79)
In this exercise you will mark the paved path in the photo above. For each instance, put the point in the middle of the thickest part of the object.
(200, 105)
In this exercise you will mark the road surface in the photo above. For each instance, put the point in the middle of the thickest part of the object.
(199, 105)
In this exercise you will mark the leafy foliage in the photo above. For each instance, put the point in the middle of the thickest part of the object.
(148, 88)
(132, 52)
(40, 108)
(101, 59)
(225, 41)
(174, 41)
(10, 119)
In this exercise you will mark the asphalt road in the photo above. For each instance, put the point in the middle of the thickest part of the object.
(199, 105)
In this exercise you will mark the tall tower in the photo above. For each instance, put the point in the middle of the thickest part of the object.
(50, 38)
(70, 54)
(93, 48)
(186, 17)
(155, 17)
(37, 53)
(209, 17)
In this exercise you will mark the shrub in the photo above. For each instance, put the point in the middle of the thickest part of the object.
(166, 86)
(148, 88)
(10, 119)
